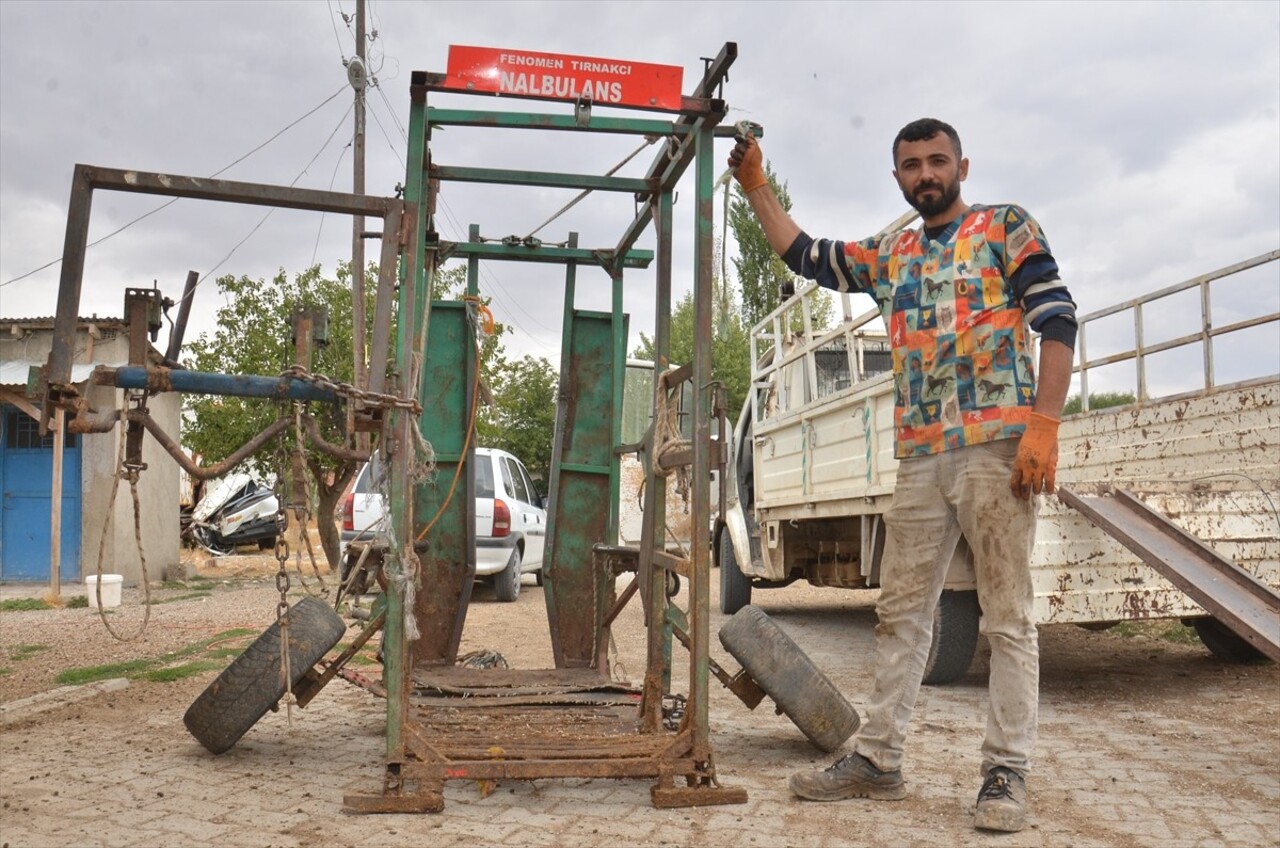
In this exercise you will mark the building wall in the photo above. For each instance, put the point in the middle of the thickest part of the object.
(158, 484)
(157, 496)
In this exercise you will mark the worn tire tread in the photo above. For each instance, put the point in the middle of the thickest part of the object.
(251, 685)
(955, 637)
(789, 677)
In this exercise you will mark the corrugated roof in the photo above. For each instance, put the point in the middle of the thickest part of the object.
(14, 373)
(48, 321)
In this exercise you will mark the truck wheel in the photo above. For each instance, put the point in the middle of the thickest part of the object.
(251, 685)
(790, 678)
(506, 583)
(955, 637)
(735, 587)
(1224, 643)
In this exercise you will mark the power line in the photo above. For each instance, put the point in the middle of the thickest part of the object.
(176, 199)
(273, 209)
(332, 179)
(336, 37)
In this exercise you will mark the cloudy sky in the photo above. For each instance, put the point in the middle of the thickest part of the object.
(1143, 136)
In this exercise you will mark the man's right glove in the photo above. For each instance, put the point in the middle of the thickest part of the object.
(1037, 460)
(748, 164)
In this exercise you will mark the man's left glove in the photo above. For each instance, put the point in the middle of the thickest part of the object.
(1037, 461)
(748, 164)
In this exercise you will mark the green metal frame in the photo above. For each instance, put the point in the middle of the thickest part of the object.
(436, 354)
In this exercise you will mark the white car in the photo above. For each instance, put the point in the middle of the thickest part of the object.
(511, 521)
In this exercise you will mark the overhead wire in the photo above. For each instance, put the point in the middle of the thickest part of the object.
(273, 209)
(332, 179)
(176, 199)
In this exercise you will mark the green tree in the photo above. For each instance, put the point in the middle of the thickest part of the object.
(1098, 400)
(730, 350)
(253, 337)
(761, 272)
(522, 419)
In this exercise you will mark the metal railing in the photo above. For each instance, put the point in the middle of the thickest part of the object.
(1141, 352)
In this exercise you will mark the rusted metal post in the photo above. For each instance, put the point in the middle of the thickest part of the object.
(55, 510)
(704, 306)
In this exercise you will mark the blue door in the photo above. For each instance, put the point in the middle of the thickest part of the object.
(26, 486)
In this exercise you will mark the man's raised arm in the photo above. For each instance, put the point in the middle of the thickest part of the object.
(748, 164)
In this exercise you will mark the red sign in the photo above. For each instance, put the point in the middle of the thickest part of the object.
(555, 76)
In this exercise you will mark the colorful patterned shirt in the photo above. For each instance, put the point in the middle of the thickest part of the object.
(957, 313)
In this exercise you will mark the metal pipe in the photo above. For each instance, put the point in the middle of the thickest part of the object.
(206, 472)
(159, 379)
(313, 430)
(180, 326)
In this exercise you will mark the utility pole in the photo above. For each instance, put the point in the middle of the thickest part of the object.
(357, 74)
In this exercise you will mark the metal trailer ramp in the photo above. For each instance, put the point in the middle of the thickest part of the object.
(1227, 592)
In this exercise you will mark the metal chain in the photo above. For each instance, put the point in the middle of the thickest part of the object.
(347, 390)
(301, 507)
(673, 710)
(282, 584)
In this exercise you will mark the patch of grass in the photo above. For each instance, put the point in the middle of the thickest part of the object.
(187, 597)
(90, 674)
(224, 653)
(78, 602)
(4, 671)
(22, 652)
(23, 605)
(196, 584)
(178, 672)
(1164, 630)
(200, 656)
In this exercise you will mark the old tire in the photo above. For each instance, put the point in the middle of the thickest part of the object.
(790, 678)
(1226, 644)
(251, 685)
(735, 587)
(955, 637)
(506, 583)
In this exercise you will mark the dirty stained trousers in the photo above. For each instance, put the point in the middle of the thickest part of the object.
(936, 499)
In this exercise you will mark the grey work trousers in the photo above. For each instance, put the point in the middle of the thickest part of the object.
(936, 499)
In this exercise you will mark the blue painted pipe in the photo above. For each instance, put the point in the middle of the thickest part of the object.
(236, 385)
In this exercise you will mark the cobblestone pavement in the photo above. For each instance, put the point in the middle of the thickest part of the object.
(1147, 745)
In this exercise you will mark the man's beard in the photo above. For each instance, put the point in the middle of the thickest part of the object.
(947, 195)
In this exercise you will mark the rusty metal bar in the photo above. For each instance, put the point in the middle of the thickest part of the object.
(58, 371)
(180, 325)
(393, 236)
(207, 472)
(338, 451)
(253, 194)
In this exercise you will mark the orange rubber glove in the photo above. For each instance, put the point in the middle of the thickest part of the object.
(748, 164)
(1037, 460)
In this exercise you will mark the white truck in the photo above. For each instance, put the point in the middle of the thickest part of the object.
(812, 471)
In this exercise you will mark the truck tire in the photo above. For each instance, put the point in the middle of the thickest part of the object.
(1226, 644)
(955, 637)
(790, 678)
(735, 587)
(251, 685)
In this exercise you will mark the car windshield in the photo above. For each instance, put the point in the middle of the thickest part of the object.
(484, 477)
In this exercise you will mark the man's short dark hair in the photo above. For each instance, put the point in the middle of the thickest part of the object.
(923, 130)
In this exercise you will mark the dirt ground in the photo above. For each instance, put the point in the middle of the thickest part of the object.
(1154, 701)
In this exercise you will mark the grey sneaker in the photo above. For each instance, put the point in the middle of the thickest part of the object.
(851, 776)
(1002, 801)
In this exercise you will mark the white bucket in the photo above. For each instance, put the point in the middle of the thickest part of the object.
(111, 585)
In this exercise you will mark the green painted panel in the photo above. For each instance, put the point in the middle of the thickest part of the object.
(580, 494)
(448, 565)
